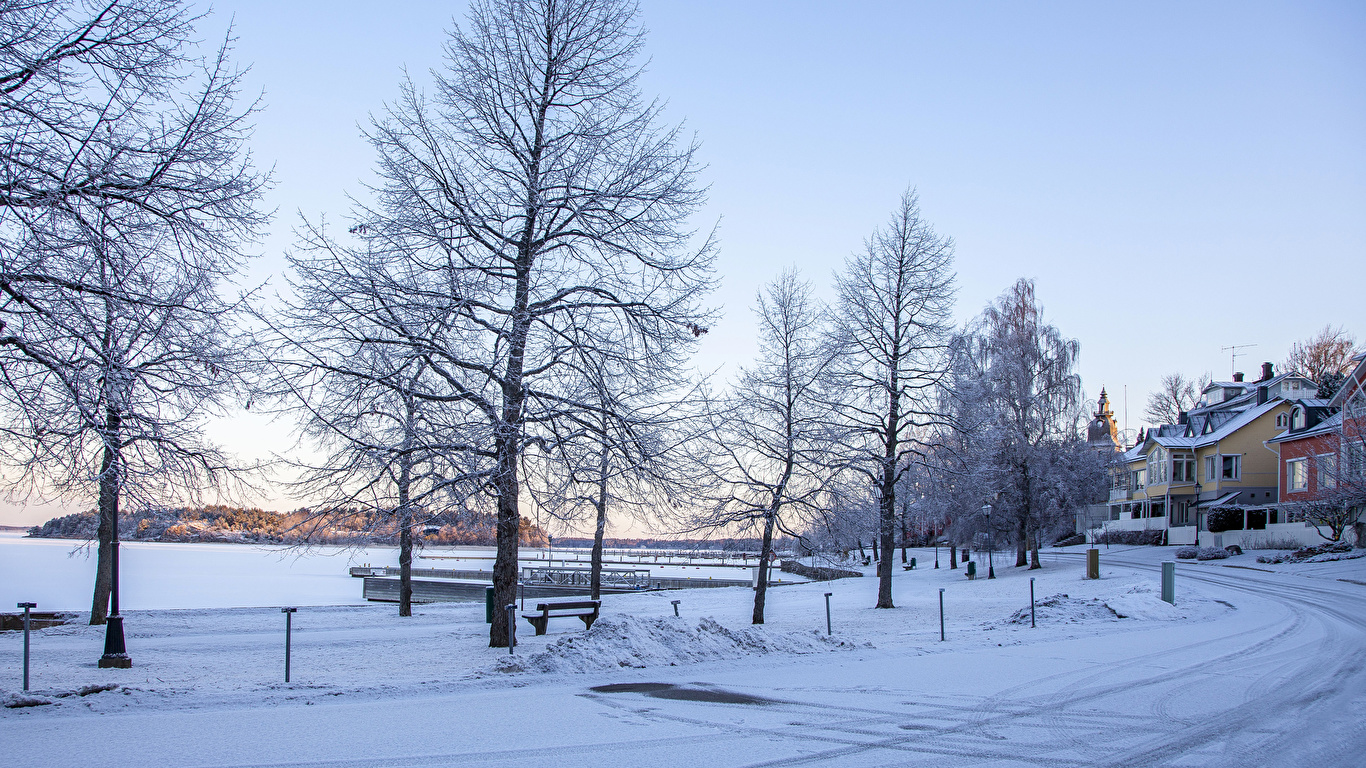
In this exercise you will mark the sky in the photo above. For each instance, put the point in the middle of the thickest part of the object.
(1177, 178)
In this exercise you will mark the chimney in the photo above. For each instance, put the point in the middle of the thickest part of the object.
(1181, 417)
(1261, 393)
(1238, 377)
(1267, 373)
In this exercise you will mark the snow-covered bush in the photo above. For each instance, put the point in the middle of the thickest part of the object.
(1211, 553)
(1187, 553)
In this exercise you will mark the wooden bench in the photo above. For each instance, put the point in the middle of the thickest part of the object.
(586, 610)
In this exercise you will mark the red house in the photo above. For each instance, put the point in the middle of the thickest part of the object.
(1323, 449)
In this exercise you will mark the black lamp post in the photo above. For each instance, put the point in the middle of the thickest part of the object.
(115, 652)
(991, 541)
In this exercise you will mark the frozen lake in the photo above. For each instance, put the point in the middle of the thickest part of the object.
(59, 574)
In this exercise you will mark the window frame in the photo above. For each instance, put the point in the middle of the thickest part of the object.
(1297, 475)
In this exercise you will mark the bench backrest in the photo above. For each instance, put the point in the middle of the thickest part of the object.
(568, 606)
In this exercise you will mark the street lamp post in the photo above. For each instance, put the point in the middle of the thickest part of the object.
(991, 542)
(115, 651)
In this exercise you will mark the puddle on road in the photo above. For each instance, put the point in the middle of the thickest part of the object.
(681, 693)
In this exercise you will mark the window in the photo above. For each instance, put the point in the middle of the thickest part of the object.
(1297, 419)
(1282, 421)
(1140, 475)
(1297, 475)
(1210, 464)
(1157, 466)
(1231, 467)
(1327, 471)
(1183, 470)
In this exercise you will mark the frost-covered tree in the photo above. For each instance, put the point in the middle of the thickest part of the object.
(889, 335)
(1018, 407)
(383, 454)
(126, 198)
(769, 442)
(543, 204)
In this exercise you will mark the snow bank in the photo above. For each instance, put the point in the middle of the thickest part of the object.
(635, 642)
(1140, 602)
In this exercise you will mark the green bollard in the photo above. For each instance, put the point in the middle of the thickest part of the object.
(972, 569)
(913, 563)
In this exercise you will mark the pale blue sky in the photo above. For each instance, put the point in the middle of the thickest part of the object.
(1176, 177)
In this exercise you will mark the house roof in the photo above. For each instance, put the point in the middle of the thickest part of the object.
(1329, 424)
(1242, 419)
(1219, 502)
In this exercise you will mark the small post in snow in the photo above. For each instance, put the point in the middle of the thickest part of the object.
(1169, 581)
(289, 630)
(828, 629)
(27, 607)
(941, 614)
(512, 627)
(675, 605)
(1031, 602)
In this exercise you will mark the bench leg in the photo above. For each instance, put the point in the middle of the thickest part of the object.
(539, 623)
(588, 620)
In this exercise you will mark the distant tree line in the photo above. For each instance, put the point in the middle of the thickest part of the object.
(303, 526)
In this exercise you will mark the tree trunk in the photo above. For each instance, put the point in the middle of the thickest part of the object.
(1021, 543)
(1034, 551)
(953, 556)
(405, 560)
(859, 542)
(761, 588)
(887, 528)
(600, 504)
(405, 513)
(903, 538)
(110, 475)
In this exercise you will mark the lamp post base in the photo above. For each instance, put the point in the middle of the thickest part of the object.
(115, 653)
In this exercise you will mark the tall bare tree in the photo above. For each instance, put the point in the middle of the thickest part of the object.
(542, 202)
(890, 331)
(125, 202)
(1175, 395)
(770, 442)
(1327, 353)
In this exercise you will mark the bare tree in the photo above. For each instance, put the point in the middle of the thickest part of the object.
(124, 205)
(889, 332)
(770, 442)
(390, 457)
(1176, 394)
(540, 201)
(1327, 353)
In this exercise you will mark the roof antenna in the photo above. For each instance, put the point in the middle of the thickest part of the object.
(1233, 357)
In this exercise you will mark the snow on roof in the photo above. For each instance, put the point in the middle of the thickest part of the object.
(1329, 424)
(1219, 502)
(1239, 420)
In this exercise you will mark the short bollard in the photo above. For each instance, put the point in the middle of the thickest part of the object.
(1093, 563)
(512, 627)
(972, 570)
(289, 630)
(941, 614)
(1169, 581)
(675, 604)
(521, 585)
(913, 563)
(828, 629)
(27, 607)
(1031, 603)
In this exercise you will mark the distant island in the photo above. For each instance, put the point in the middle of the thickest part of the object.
(241, 525)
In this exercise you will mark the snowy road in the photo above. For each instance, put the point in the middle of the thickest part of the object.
(1279, 680)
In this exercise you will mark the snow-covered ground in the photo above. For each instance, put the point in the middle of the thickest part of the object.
(1250, 667)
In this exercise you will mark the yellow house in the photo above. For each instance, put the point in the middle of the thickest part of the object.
(1213, 458)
